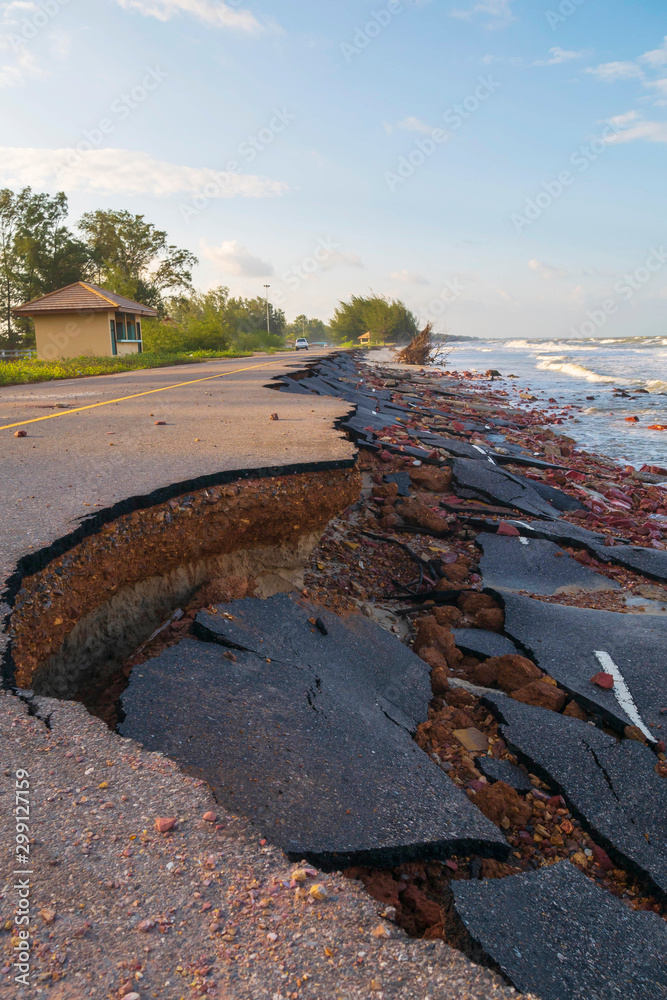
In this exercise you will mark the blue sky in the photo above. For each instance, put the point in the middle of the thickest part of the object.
(498, 164)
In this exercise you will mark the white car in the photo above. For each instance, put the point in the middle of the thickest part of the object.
(301, 344)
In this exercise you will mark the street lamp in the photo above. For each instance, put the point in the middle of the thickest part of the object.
(268, 325)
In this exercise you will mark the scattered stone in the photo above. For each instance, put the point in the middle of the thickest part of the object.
(418, 514)
(500, 801)
(611, 787)
(20, 434)
(541, 694)
(472, 739)
(430, 478)
(605, 681)
(160, 423)
(163, 824)
(555, 933)
(209, 817)
(512, 671)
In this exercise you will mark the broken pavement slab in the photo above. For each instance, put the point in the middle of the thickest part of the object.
(503, 770)
(536, 566)
(310, 738)
(481, 642)
(573, 644)
(484, 481)
(651, 562)
(610, 786)
(557, 934)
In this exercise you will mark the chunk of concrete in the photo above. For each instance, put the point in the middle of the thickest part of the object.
(610, 786)
(557, 498)
(650, 562)
(574, 644)
(310, 740)
(536, 566)
(503, 770)
(556, 934)
(480, 642)
(493, 484)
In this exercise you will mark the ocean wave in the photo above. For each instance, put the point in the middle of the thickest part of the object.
(577, 371)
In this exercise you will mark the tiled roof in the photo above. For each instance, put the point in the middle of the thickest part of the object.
(82, 296)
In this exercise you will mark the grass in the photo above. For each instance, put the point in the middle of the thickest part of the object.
(23, 371)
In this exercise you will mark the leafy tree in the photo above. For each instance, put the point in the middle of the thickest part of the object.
(311, 329)
(38, 254)
(133, 258)
(387, 320)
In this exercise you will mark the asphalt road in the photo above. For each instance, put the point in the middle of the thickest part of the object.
(86, 458)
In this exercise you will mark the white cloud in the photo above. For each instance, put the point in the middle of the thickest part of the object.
(657, 57)
(232, 258)
(612, 71)
(641, 130)
(211, 12)
(409, 277)
(546, 271)
(335, 259)
(558, 56)
(497, 11)
(25, 68)
(412, 124)
(126, 172)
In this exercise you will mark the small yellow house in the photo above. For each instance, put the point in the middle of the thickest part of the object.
(85, 319)
(365, 338)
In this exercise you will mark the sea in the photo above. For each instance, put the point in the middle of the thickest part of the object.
(583, 375)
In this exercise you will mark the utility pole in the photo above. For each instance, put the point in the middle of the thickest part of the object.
(268, 325)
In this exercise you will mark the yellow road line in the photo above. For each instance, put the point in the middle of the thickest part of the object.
(121, 399)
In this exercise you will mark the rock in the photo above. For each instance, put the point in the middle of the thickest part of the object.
(634, 733)
(439, 682)
(457, 572)
(389, 521)
(503, 770)
(209, 817)
(418, 514)
(429, 478)
(603, 680)
(610, 786)
(554, 933)
(471, 603)
(160, 423)
(274, 416)
(20, 434)
(430, 634)
(513, 671)
(536, 566)
(307, 717)
(447, 616)
(499, 800)
(460, 698)
(434, 658)
(575, 711)
(490, 618)
(542, 695)
(48, 914)
(486, 673)
(387, 490)
(472, 739)
(163, 824)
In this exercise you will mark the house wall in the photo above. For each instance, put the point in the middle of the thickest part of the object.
(70, 335)
(128, 346)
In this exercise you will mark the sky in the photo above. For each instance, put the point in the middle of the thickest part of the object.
(497, 164)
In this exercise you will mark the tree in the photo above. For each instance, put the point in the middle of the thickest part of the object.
(38, 254)
(133, 258)
(385, 319)
(311, 329)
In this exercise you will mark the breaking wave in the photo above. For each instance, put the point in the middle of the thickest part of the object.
(578, 371)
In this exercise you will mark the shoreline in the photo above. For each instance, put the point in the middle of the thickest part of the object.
(199, 884)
